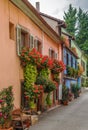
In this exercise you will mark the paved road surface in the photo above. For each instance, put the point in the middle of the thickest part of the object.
(71, 117)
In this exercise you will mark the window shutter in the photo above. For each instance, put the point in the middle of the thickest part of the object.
(36, 44)
(68, 59)
(31, 42)
(50, 55)
(27, 39)
(18, 40)
(56, 56)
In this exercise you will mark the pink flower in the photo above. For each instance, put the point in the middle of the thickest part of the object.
(1, 100)
(5, 117)
(0, 114)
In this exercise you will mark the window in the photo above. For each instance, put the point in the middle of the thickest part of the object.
(31, 41)
(22, 38)
(71, 61)
(67, 58)
(11, 30)
(24, 102)
(56, 55)
(75, 64)
(38, 45)
(35, 43)
(52, 54)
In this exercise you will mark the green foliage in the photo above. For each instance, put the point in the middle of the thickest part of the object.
(62, 39)
(75, 90)
(69, 71)
(87, 68)
(29, 93)
(6, 106)
(30, 74)
(65, 93)
(72, 72)
(40, 80)
(48, 100)
(70, 19)
(50, 86)
(47, 84)
(77, 25)
(56, 78)
(82, 34)
(85, 83)
(32, 104)
(34, 92)
(44, 72)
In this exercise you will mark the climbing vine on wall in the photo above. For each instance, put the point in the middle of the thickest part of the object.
(44, 72)
(30, 74)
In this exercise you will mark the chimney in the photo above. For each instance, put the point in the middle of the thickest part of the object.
(38, 6)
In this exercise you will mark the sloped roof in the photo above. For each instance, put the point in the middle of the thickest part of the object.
(60, 22)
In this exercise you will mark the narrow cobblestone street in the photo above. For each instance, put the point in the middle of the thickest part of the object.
(71, 117)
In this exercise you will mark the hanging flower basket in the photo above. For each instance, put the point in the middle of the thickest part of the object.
(58, 66)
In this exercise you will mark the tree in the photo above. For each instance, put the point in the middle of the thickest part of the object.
(87, 68)
(82, 34)
(77, 25)
(70, 19)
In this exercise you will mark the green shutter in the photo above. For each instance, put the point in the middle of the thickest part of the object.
(18, 36)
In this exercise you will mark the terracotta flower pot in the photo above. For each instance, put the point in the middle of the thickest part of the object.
(11, 128)
(65, 102)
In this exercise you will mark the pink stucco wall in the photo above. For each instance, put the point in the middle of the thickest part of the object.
(10, 69)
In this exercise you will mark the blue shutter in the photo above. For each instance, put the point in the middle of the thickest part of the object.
(73, 62)
(64, 59)
(69, 59)
(64, 56)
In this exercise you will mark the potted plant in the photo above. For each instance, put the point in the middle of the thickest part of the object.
(75, 90)
(70, 95)
(48, 87)
(65, 93)
(48, 100)
(6, 107)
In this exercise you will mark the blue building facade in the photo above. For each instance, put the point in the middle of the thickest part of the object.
(70, 60)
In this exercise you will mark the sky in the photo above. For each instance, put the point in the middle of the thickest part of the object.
(56, 8)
